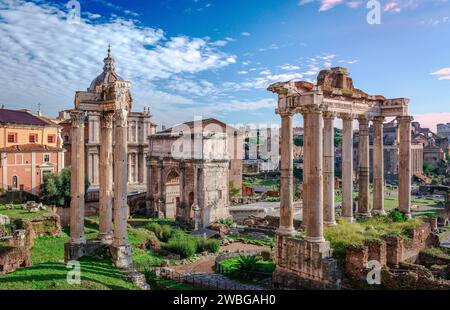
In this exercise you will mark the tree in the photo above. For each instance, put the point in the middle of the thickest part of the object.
(298, 141)
(55, 189)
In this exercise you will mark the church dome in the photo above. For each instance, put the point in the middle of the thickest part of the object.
(108, 75)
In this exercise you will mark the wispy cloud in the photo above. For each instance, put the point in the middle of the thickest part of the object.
(444, 74)
(42, 56)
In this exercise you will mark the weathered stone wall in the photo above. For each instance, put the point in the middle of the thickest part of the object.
(303, 264)
(391, 251)
(46, 225)
(12, 258)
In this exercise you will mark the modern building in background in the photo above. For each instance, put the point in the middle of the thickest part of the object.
(30, 147)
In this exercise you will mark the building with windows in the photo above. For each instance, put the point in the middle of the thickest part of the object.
(139, 128)
(30, 147)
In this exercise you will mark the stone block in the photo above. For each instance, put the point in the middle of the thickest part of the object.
(121, 256)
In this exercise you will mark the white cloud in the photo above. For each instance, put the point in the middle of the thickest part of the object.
(442, 71)
(289, 67)
(444, 74)
(44, 58)
(246, 34)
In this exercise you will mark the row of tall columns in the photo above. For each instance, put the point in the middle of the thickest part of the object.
(107, 203)
(318, 174)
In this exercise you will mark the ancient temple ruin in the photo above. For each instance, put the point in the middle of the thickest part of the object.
(108, 95)
(308, 261)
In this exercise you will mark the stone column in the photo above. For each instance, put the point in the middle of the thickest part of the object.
(106, 179)
(328, 173)
(286, 186)
(122, 252)
(305, 203)
(77, 179)
(314, 231)
(404, 166)
(364, 169)
(347, 168)
(378, 166)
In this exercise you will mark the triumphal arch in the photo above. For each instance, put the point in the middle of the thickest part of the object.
(109, 97)
(307, 261)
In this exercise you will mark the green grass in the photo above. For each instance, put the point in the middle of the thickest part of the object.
(253, 241)
(16, 213)
(49, 272)
(356, 234)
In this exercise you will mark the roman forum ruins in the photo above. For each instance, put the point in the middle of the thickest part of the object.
(309, 260)
(108, 96)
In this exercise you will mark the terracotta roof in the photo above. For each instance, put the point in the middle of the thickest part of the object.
(20, 117)
(26, 148)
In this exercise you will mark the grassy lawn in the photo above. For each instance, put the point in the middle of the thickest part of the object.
(49, 272)
(16, 213)
(346, 234)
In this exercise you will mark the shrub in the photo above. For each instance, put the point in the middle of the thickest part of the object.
(227, 222)
(156, 228)
(210, 245)
(247, 264)
(166, 233)
(397, 216)
(185, 246)
(150, 276)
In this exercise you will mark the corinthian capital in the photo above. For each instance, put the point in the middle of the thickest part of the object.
(77, 118)
(121, 118)
(107, 120)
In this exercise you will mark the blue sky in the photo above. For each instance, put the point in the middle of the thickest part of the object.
(215, 58)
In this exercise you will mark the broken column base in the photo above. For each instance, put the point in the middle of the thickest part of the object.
(304, 265)
(121, 256)
(77, 251)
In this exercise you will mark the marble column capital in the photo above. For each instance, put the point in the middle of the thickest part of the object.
(107, 120)
(378, 119)
(121, 118)
(311, 109)
(329, 115)
(77, 118)
(286, 113)
(347, 116)
(405, 118)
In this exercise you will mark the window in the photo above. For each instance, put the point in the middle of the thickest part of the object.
(51, 138)
(15, 182)
(33, 138)
(46, 158)
(12, 138)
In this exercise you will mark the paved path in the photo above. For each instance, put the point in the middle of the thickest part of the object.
(201, 272)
